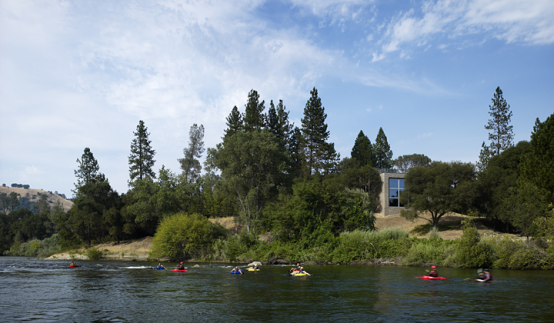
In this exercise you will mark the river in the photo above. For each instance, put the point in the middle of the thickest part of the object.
(110, 291)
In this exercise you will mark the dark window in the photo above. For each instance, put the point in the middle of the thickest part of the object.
(396, 188)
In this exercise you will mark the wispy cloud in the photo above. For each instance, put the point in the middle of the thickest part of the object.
(527, 22)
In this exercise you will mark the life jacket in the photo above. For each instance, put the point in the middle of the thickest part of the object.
(487, 276)
(433, 273)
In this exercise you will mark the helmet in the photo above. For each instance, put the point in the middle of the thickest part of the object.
(181, 262)
(433, 267)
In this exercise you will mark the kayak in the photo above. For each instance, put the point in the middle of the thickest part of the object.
(478, 281)
(303, 274)
(235, 273)
(155, 268)
(179, 270)
(73, 266)
(253, 269)
(429, 277)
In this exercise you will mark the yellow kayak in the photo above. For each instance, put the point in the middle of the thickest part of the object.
(252, 269)
(298, 274)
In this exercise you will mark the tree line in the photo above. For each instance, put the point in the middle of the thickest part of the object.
(274, 176)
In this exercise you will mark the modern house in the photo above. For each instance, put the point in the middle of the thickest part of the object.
(393, 188)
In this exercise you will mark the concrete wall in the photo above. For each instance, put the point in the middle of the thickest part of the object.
(387, 210)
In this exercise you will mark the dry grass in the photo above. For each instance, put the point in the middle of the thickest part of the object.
(452, 222)
(66, 204)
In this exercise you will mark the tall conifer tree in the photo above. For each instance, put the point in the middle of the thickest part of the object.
(363, 150)
(501, 135)
(191, 164)
(381, 148)
(253, 115)
(88, 170)
(141, 159)
(234, 122)
(277, 122)
(321, 156)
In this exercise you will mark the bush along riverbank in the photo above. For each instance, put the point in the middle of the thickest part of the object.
(394, 247)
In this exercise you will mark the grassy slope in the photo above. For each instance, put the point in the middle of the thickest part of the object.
(33, 191)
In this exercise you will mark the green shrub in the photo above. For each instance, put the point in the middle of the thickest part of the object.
(518, 254)
(434, 233)
(94, 253)
(472, 252)
(425, 251)
(183, 236)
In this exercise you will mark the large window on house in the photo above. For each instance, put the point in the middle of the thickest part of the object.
(396, 188)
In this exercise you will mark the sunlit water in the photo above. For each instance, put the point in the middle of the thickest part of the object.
(106, 291)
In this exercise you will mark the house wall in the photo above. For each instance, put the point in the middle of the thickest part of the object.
(387, 210)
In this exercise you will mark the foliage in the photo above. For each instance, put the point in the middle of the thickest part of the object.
(234, 122)
(252, 165)
(36, 248)
(141, 159)
(405, 162)
(382, 152)
(94, 253)
(320, 155)
(538, 166)
(428, 251)
(525, 204)
(190, 164)
(472, 251)
(88, 170)
(319, 210)
(253, 118)
(439, 189)
(277, 122)
(367, 178)
(363, 151)
(184, 236)
(496, 181)
(517, 254)
(502, 135)
(434, 233)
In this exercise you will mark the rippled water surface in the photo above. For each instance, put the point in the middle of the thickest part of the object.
(105, 291)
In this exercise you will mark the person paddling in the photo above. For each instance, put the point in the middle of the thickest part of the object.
(237, 271)
(295, 269)
(433, 272)
(160, 266)
(486, 276)
(181, 266)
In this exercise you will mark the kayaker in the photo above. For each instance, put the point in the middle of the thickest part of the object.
(433, 272)
(487, 276)
(297, 268)
(302, 271)
(237, 270)
(72, 264)
(181, 266)
(160, 266)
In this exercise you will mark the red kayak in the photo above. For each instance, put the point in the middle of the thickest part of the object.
(179, 270)
(430, 277)
(72, 266)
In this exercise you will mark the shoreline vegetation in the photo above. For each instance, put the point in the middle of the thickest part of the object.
(292, 198)
(386, 247)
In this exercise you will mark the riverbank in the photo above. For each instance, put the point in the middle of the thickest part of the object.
(127, 250)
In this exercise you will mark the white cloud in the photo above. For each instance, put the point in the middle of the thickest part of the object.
(527, 22)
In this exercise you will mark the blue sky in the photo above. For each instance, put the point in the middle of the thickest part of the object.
(76, 74)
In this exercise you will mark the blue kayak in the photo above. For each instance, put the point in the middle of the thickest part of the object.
(235, 273)
(158, 268)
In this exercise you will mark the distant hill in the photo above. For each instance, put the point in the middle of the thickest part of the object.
(34, 196)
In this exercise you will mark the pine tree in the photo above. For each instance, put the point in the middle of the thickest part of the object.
(277, 122)
(234, 123)
(141, 159)
(381, 149)
(88, 171)
(363, 150)
(320, 155)
(253, 115)
(190, 164)
(502, 136)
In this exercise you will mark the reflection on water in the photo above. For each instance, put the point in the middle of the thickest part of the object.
(49, 291)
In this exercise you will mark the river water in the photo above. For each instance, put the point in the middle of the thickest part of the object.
(109, 291)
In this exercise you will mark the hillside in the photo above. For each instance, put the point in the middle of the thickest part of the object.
(34, 196)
